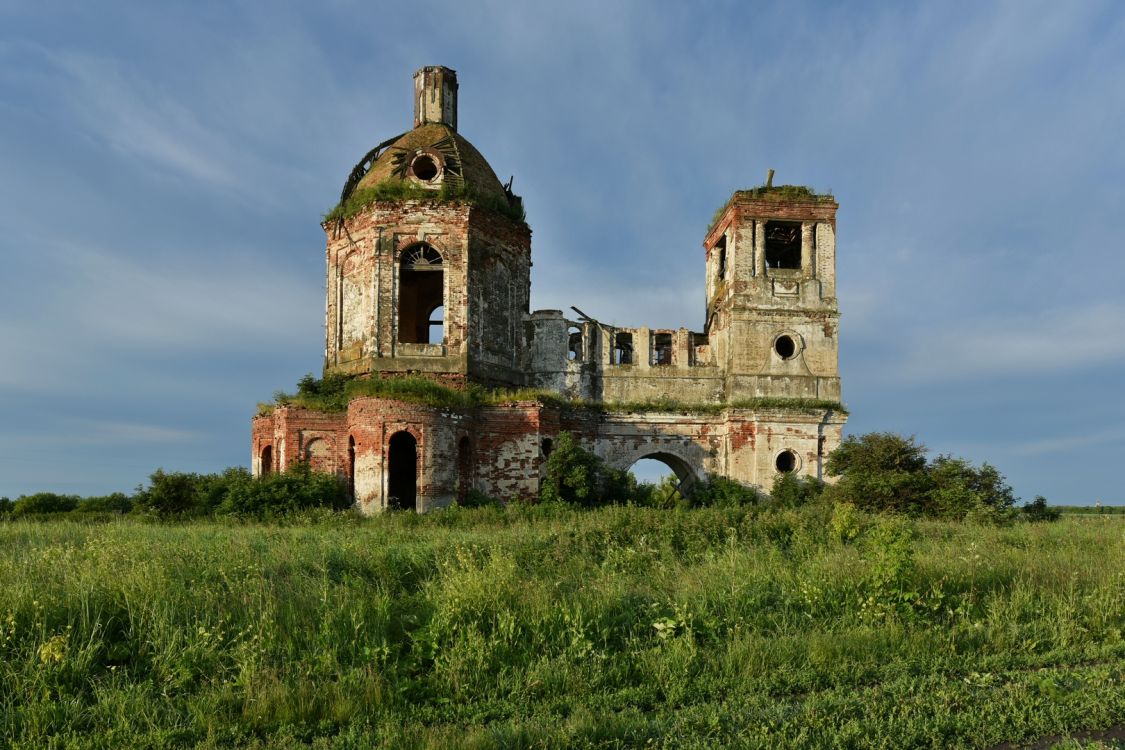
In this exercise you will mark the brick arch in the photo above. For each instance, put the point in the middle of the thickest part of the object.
(688, 471)
(412, 242)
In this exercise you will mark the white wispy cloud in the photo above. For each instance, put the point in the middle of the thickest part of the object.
(1046, 341)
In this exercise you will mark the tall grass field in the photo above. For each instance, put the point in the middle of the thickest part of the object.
(547, 627)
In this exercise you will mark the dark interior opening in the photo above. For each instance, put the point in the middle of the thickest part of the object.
(661, 348)
(623, 349)
(785, 347)
(267, 460)
(464, 468)
(424, 167)
(547, 445)
(402, 472)
(783, 244)
(574, 344)
(420, 293)
(786, 462)
(721, 248)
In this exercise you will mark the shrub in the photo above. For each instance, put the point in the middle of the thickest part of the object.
(884, 472)
(880, 471)
(168, 493)
(5, 506)
(574, 475)
(297, 489)
(1038, 510)
(792, 491)
(725, 493)
(44, 502)
(117, 502)
(959, 487)
(474, 498)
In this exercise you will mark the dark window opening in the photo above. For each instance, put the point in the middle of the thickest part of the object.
(574, 344)
(267, 460)
(661, 348)
(402, 472)
(436, 326)
(424, 167)
(623, 349)
(786, 462)
(420, 293)
(783, 244)
(464, 468)
(721, 247)
(547, 446)
(351, 466)
(785, 347)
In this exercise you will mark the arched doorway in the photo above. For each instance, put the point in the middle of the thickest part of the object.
(402, 472)
(267, 460)
(669, 477)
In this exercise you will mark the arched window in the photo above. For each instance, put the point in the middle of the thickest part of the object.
(421, 292)
(267, 460)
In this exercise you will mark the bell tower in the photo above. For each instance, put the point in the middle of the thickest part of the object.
(772, 315)
(428, 256)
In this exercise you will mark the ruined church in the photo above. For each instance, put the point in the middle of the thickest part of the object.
(429, 275)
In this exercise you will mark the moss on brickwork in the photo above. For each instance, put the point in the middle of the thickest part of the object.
(393, 190)
(334, 392)
(779, 193)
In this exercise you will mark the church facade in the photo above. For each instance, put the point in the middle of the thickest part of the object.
(428, 275)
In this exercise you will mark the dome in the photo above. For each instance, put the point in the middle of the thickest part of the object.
(433, 156)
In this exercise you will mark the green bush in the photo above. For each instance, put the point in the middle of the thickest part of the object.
(574, 475)
(297, 489)
(117, 502)
(880, 471)
(1038, 510)
(169, 493)
(5, 506)
(792, 491)
(44, 503)
(885, 472)
(722, 492)
(959, 487)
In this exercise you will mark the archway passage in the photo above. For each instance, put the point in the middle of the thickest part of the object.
(420, 293)
(671, 478)
(267, 460)
(402, 472)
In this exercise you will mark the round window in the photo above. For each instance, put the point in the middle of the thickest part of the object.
(786, 462)
(424, 167)
(785, 347)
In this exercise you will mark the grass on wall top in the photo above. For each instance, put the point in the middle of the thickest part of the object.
(334, 392)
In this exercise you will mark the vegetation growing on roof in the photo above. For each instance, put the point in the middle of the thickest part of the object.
(773, 192)
(399, 190)
(334, 391)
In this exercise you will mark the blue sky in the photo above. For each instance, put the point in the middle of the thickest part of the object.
(163, 169)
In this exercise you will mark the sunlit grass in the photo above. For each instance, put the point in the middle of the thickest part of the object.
(547, 627)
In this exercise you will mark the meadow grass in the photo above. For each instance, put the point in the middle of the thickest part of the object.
(555, 628)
